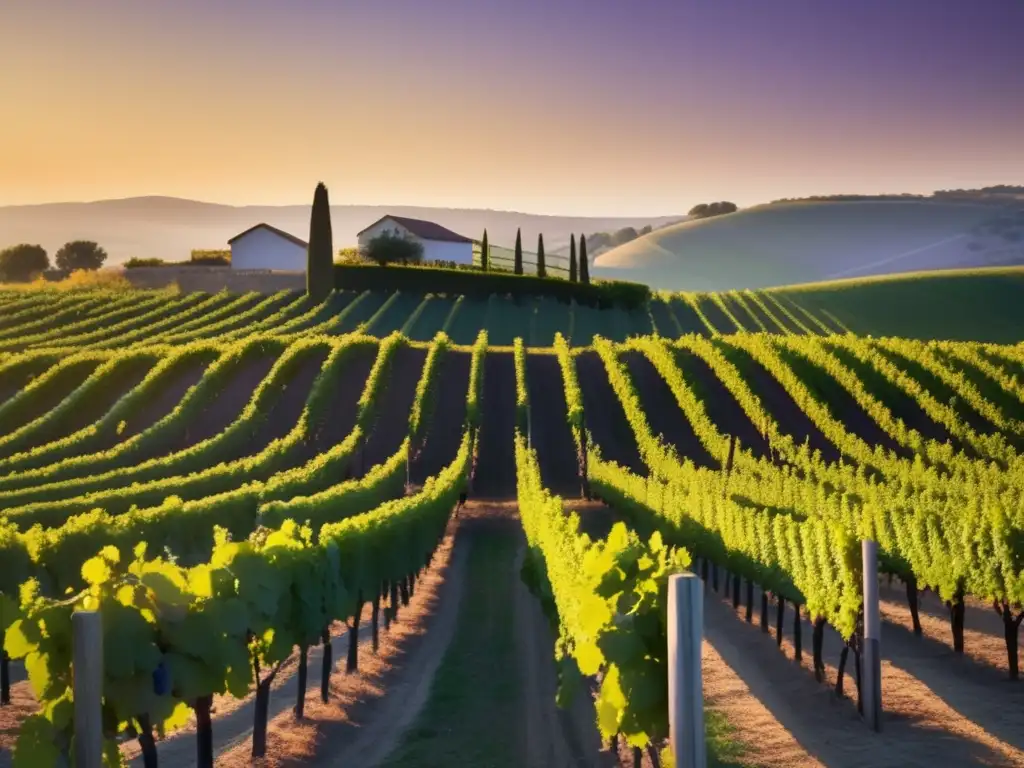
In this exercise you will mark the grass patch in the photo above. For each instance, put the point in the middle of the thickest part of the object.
(471, 715)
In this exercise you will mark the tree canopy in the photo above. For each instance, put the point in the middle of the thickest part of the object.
(22, 263)
(389, 248)
(80, 254)
(707, 210)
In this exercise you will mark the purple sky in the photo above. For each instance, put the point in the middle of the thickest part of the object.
(561, 106)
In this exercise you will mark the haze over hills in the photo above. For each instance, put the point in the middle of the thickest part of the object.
(799, 242)
(169, 228)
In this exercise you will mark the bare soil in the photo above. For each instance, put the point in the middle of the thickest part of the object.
(339, 418)
(902, 405)
(393, 406)
(723, 409)
(842, 404)
(284, 412)
(47, 396)
(743, 314)
(225, 407)
(920, 728)
(782, 408)
(604, 416)
(550, 433)
(496, 468)
(23, 703)
(664, 415)
(687, 318)
(102, 398)
(662, 316)
(445, 424)
(162, 401)
(16, 378)
(718, 318)
(941, 391)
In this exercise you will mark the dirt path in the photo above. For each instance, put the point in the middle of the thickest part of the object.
(604, 415)
(496, 469)
(920, 728)
(663, 411)
(724, 410)
(548, 730)
(407, 691)
(493, 698)
(841, 403)
(445, 423)
(395, 403)
(781, 406)
(550, 433)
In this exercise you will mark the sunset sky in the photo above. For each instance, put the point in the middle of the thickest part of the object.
(598, 107)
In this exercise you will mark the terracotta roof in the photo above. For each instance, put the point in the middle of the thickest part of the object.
(275, 230)
(428, 230)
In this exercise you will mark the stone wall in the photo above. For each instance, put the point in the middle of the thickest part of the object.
(212, 279)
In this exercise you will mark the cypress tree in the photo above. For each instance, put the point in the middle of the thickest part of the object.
(542, 268)
(584, 267)
(320, 253)
(572, 258)
(519, 252)
(484, 253)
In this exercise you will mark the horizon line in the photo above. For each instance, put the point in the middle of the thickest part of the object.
(338, 205)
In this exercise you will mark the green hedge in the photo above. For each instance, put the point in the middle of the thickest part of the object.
(413, 279)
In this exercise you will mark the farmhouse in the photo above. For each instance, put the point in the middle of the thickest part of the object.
(439, 244)
(267, 247)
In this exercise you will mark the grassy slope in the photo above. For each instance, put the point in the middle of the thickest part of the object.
(978, 305)
(786, 243)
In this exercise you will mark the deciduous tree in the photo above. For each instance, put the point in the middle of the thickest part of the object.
(80, 254)
(22, 263)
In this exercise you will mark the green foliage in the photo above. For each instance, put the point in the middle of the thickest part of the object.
(135, 262)
(485, 254)
(320, 253)
(522, 393)
(79, 254)
(584, 262)
(572, 259)
(390, 248)
(542, 267)
(476, 381)
(424, 280)
(518, 267)
(609, 599)
(210, 257)
(21, 263)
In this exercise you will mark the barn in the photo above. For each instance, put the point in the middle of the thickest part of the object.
(267, 247)
(439, 243)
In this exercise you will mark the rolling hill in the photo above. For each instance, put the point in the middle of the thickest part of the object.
(799, 242)
(169, 228)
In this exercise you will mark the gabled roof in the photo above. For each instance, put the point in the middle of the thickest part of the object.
(427, 230)
(275, 230)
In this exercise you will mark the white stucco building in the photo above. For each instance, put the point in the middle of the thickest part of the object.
(439, 244)
(267, 247)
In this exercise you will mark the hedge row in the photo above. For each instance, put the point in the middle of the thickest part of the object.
(413, 279)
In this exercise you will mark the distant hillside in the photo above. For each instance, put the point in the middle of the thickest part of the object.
(798, 242)
(169, 228)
